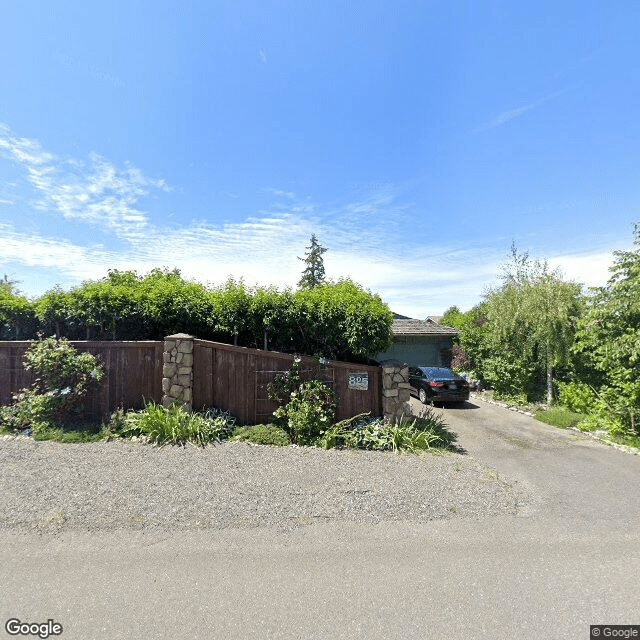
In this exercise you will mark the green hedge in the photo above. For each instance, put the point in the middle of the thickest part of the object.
(340, 320)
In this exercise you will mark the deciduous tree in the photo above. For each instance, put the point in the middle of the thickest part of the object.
(609, 336)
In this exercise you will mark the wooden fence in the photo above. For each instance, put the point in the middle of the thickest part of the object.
(133, 373)
(236, 379)
(231, 378)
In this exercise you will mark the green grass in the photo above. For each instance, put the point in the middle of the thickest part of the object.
(629, 441)
(75, 434)
(560, 416)
(72, 433)
(262, 434)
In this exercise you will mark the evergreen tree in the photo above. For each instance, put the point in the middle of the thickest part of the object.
(313, 274)
(8, 286)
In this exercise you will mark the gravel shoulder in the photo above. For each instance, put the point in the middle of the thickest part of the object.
(54, 487)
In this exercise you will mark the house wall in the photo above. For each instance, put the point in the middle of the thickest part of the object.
(417, 351)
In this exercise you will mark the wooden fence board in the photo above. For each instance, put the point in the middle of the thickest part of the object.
(239, 377)
(133, 373)
(225, 376)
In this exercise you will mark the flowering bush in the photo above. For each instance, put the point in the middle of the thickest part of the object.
(309, 412)
(307, 409)
(63, 379)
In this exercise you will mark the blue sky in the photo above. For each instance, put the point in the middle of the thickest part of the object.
(416, 139)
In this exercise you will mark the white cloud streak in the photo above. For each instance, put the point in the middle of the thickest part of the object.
(510, 114)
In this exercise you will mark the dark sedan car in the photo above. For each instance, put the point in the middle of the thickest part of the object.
(437, 384)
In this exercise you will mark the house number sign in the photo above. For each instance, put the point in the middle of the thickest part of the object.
(359, 381)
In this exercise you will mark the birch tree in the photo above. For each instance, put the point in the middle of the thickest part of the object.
(534, 314)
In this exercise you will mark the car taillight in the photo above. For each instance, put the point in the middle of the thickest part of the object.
(433, 383)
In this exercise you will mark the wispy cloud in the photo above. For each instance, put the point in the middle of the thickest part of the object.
(6, 203)
(516, 112)
(575, 65)
(24, 150)
(366, 238)
(262, 56)
(280, 193)
(96, 192)
(262, 251)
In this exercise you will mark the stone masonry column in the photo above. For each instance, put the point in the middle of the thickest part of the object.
(395, 391)
(177, 370)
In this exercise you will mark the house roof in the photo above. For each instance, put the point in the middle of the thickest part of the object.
(403, 326)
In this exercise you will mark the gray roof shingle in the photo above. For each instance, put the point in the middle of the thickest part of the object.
(403, 326)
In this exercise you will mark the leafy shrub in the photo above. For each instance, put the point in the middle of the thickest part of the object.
(57, 364)
(63, 379)
(596, 422)
(262, 434)
(608, 337)
(171, 425)
(335, 435)
(459, 358)
(512, 399)
(403, 435)
(605, 415)
(17, 316)
(411, 435)
(310, 411)
(307, 408)
(221, 416)
(576, 396)
(511, 377)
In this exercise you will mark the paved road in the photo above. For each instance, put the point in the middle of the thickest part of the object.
(571, 558)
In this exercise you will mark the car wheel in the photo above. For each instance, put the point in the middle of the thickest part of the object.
(422, 394)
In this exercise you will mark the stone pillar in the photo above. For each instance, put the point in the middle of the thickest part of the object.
(177, 370)
(395, 391)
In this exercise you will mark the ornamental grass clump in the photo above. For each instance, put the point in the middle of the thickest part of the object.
(173, 424)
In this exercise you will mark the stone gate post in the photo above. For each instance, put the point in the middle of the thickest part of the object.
(177, 370)
(395, 390)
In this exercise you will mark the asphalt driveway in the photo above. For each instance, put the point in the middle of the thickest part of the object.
(573, 475)
(570, 558)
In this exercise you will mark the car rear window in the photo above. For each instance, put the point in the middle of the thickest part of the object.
(439, 373)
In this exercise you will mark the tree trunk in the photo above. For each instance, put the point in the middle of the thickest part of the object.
(549, 374)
